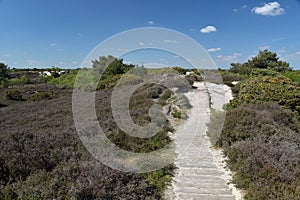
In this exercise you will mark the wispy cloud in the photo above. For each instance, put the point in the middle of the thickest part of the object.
(298, 53)
(170, 41)
(237, 9)
(52, 44)
(151, 22)
(141, 43)
(214, 49)
(264, 47)
(208, 29)
(6, 55)
(229, 58)
(269, 9)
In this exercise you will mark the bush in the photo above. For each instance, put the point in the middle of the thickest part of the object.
(13, 94)
(19, 81)
(130, 79)
(262, 143)
(266, 170)
(250, 121)
(277, 88)
(43, 96)
(294, 75)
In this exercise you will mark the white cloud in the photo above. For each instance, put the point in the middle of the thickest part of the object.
(214, 49)
(208, 29)
(170, 41)
(6, 55)
(151, 22)
(298, 53)
(264, 47)
(141, 43)
(269, 9)
(237, 9)
(229, 58)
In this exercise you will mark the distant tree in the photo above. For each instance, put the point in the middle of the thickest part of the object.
(264, 60)
(109, 65)
(54, 74)
(268, 60)
(235, 67)
(3, 74)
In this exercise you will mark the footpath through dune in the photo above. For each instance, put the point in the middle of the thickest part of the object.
(201, 173)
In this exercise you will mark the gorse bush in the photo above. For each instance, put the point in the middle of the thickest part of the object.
(43, 96)
(268, 88)
(13, 94)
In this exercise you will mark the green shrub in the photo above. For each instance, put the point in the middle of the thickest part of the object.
(19, 81)
(43, 96)
(177, 114)
(13, 94)
(63, 81)
(278, 88)
(130, 79)
(108, 82)
(294, 75)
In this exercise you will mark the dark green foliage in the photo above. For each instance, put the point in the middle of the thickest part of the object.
(55, 74)
(275, 88)
(228, 78)
(109, 66)
(3, 75)
(177, 114)
(264, 60)
(43, 96)
(262, 143)
(13, 94)
(108, 82)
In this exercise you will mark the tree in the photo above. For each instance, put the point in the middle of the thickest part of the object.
(268, 60)
(264, 60)
(109, 65)
(3, 74)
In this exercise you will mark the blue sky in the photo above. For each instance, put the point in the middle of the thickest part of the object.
(37, 33)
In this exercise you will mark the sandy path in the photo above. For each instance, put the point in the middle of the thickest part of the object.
(200, 173)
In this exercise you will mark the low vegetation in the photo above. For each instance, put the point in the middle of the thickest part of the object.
(42, 156)
(13, 94)
(261, 133)
(43, 96)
